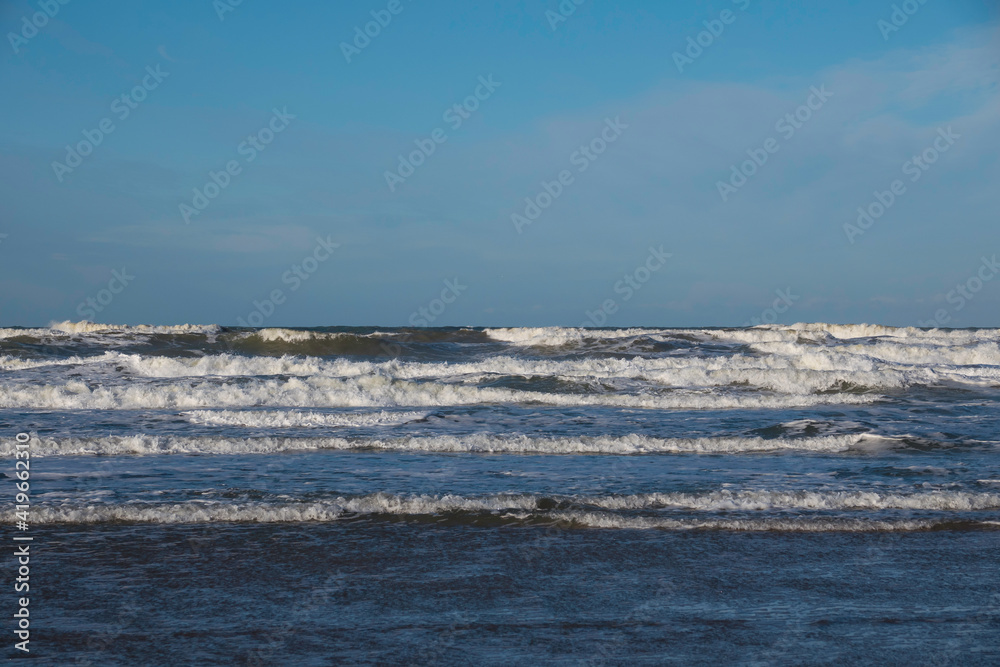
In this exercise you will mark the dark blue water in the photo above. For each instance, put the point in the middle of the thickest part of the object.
(806, 495)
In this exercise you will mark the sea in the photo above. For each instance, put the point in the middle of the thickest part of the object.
(203, 495)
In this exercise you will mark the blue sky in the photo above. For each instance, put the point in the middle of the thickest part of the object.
(888, 96)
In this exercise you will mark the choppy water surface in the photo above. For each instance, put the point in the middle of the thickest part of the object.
(768, 495)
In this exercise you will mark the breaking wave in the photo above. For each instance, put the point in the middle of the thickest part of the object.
(371, 391)
(71, 329)
(478, 443)
(581, 511)
(299, 419)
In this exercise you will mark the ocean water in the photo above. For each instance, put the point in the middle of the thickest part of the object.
(808, 494)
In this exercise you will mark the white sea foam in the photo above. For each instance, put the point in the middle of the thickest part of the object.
(9, 363)
(556, 336)
(783, 367)
(291, 335)
(607, 520)
(798, 366)
(804, 500)
(299, 419)
(204, 366)
(816, 332)
(908, 353)
(85, 328)
(6, 333)
(318, 512)
(300, 336)
(474, 443)
(369, 391)
(854, 331)
(593, 511)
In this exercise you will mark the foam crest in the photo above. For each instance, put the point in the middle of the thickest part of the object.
(368, 391)
(9, 363)
(558, 336)
(816, 332)
(291, 335)
(6, 333)
(591, 511)
(781, 366)
(846, 331)
(69, 329)
(609, 521)
(476, 443)
(86, 327)
(907, 353)
(854, 331)
(299, 419)
(318, 512)
(792, 370)
(231, 365)
(805, 500)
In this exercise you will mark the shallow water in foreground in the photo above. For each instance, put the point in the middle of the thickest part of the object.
(808, 494)
(437, 593)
